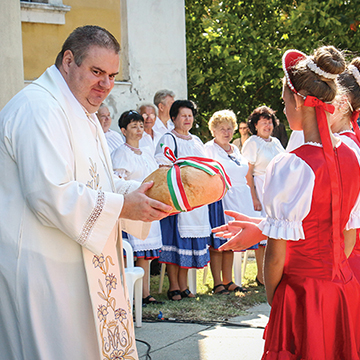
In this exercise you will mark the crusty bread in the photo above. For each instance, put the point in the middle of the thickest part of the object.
(200, 187)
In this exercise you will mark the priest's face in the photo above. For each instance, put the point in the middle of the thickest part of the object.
(92, 81)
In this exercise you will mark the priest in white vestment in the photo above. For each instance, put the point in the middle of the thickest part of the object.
(61, 286)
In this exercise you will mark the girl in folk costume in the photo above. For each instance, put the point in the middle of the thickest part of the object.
(344, 124)
(312, 207)
(131, 163)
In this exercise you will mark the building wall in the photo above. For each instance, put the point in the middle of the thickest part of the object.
(156, 54)
(42, 42)
(11, 64)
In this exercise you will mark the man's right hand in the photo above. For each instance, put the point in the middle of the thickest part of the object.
(138, 206)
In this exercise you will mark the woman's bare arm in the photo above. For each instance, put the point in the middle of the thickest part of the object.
(274, 265)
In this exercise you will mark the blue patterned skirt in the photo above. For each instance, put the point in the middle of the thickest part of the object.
(185, 252)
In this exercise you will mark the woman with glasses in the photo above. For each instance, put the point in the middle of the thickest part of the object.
(259, 150)
(238, 198)
(185, 235)
(132, 163)
(244, 135)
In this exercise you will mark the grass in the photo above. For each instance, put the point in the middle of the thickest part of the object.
(206, 307)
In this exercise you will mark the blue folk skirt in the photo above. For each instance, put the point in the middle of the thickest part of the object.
(185, 252)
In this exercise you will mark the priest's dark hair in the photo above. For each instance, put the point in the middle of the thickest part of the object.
(82, 38)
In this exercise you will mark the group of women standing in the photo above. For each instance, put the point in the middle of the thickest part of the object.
(184, 240)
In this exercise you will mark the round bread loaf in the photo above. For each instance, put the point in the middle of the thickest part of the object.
(200, 187)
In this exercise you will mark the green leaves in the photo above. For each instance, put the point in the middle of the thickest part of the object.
(234, 48)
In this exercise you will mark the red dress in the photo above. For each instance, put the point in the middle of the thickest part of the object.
(314, 317)
(354, 258)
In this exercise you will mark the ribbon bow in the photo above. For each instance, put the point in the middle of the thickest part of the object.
(330, 158)
(175, 185)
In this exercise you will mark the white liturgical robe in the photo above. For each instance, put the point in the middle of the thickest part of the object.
(60, 291)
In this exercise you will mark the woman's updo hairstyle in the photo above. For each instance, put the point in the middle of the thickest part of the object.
(326, 58)
(350, 85)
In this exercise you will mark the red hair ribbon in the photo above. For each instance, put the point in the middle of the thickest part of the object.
(330, 158)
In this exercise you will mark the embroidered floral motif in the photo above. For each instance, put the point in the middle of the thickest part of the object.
(102, 312)
(115, 326)
(111, 281)
(117, 355)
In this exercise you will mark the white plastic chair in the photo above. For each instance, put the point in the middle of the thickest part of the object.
(239, 272)
(134, 278)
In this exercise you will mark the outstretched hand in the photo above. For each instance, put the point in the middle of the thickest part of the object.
(243, 232)
(241, 217)
(138, 206)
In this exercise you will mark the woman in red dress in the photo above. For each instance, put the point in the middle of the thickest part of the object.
(344, 124)
(310, 198)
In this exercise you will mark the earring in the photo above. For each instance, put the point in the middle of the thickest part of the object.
(296, 108)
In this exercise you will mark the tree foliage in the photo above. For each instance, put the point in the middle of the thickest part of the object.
(234, 48)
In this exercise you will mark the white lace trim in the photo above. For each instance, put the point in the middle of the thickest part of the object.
(184, 251)
(346, 131)
(90, 222)
(282, 229)
(313, 144)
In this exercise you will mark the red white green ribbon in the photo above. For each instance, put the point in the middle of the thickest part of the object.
(175, 185)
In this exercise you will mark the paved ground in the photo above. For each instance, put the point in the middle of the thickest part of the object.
(240, 339)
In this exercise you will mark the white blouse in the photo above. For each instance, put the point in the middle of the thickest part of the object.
(288, 190)
(238, 197)
(131, 166)
(260, 152)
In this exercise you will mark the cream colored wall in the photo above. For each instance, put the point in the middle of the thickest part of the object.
(42, 42)
(11, 66)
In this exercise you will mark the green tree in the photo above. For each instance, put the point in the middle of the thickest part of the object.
(234, 48)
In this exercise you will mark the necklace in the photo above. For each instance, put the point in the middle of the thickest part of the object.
(134, 149)
(184, 137)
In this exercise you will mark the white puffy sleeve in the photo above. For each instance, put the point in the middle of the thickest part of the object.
(288, 189)
(160, 158)
(354, 219)
(249, 150)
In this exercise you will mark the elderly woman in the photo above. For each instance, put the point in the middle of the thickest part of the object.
(259, 150)
(150, 136)
(186, 235)
(222, 126)
(244, 135)
(132, 163)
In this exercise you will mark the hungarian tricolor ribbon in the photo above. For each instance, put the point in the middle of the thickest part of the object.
(175, 185)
